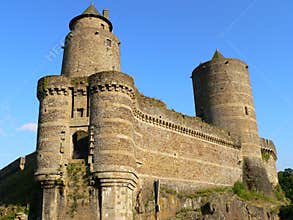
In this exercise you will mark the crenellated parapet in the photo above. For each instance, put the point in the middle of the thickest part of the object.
(53, 85)
(192, 131)
(269, 157)
(113, 87)
(269, 146)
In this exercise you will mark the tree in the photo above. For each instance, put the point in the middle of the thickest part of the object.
(286, 182)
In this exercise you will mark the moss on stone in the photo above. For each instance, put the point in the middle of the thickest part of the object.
(265, 155)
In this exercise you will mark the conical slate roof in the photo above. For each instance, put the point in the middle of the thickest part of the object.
(217, 55)
(91, 10)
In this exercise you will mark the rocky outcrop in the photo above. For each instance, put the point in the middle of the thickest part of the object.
(209, 205)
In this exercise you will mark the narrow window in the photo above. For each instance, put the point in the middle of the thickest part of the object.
(103, 26)
(246, 110)
(72, 103)
(80, 112)
(96, 33)
(108, 42)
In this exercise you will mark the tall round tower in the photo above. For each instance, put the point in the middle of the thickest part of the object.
(53, 131)
(91, 46)
(223, 97)
(111, 116)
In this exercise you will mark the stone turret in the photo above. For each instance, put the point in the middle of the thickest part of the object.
(91, 46)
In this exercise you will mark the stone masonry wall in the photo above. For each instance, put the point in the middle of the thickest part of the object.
(181, 149)
(269, 157)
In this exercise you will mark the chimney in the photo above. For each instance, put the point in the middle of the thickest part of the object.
(106, 13)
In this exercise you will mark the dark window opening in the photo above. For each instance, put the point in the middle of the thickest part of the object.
(103, 26)
(108, 42)
(72, 103)
(96, 33)
(87, 101)
(246, 110)
(80, 112)
(80, 145)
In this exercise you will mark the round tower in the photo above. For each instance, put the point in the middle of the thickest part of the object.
(223, 97)
(91, 46)
(111, 100)
(53, 126)
(52, 141)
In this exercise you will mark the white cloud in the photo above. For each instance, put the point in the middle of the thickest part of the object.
(29, 127)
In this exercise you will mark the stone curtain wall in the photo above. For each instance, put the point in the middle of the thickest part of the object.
(181, 149)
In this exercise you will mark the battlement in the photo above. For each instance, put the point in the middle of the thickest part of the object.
(155, 112)
(112, 81)
(268, 145)
(53, 85)
(18, 164)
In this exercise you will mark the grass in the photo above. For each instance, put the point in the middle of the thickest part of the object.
(11, 210)
(241, 191)
(194, 194)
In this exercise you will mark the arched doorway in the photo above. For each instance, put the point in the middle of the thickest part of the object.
(80, 145)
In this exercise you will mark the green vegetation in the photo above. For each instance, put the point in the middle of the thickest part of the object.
(265, 155)
(286, 182)
(252, 195)
(78, 179)
(240, 190)
(43, 87)
(205, 192)
(185, 210)
(194, 194)
(8, 217)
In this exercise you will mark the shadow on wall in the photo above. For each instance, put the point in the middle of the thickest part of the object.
(255, 176)
(18, 187)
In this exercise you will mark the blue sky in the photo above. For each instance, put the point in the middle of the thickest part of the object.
(162, 42)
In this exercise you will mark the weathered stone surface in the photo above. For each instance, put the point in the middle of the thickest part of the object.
(221, 205)
(102, 144)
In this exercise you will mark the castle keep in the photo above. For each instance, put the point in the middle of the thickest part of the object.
(93, 117)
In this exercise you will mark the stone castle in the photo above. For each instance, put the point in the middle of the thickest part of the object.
(127, 145)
